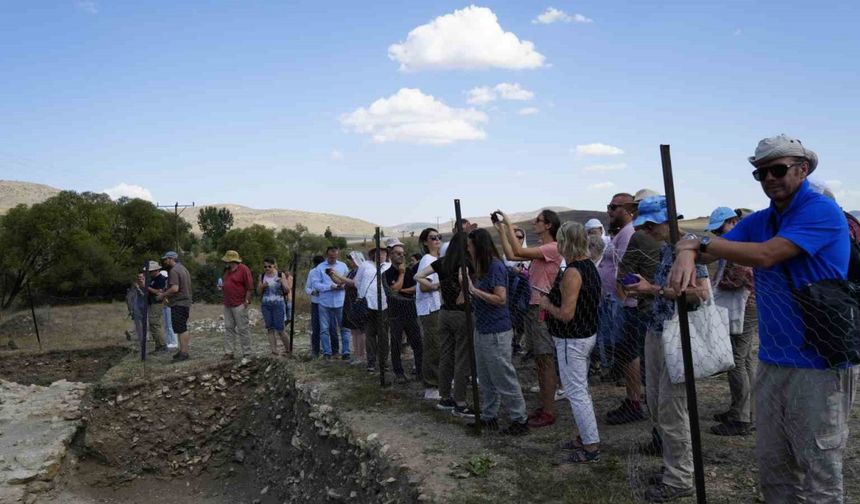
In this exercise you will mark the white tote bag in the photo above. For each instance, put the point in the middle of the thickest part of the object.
(709, 339)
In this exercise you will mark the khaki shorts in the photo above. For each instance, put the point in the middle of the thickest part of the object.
(537, 336)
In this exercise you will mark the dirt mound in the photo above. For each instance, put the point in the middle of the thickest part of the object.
(74, 365)
(245, 421)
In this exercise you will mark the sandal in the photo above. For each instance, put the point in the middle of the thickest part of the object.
(583, 456)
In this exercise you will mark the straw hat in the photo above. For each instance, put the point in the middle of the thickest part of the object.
(231, 256)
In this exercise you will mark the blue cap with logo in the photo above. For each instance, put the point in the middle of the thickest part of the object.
(720, 216)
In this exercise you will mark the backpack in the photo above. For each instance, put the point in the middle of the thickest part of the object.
(854, 257)
(519, 295)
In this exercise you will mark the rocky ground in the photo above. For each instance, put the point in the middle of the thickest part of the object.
(87, 365)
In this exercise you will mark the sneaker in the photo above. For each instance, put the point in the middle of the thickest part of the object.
(344, 357)
(559, 395)
(731, 428)
(517, 428)
(180, 357)
(665, 493)
(487, 424)
(541, 419)
(628, 412)
(432, 394)
(582, 456)
(446, 404)
(463, 412)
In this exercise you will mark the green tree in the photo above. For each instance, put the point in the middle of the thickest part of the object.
(253, 244)
(214, 223)
(328, 233)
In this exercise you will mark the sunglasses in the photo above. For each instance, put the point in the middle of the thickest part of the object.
(268, 266)
(434, 237)
(539, 220)
(777, 170)
(613, 207)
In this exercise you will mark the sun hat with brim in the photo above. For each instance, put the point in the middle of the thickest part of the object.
(392, 242)
(782, 146)
(593, 224)
(231, 256)
(653, 209)
(719, 217)
(153, 266)
(170, 255)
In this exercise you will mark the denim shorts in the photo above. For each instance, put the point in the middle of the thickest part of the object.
(273, 315)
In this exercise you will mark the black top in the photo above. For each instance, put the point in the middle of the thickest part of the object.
(160, 283)
(584, 322)
(391, 276)
(401, 306)
(450, 287)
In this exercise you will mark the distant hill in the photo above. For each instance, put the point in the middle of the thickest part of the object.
(14, 193)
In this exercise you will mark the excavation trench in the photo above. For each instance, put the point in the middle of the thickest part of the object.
(235, 432)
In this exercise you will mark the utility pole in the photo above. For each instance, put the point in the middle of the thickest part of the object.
(176, 213)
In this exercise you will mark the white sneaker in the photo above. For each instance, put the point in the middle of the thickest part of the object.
(559, 395)
(432, 394)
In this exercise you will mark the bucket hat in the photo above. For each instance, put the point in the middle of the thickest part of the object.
(231, 256)
(782, 146)
(718, 217)
(593, 224)
(153, 266)
(653, 209)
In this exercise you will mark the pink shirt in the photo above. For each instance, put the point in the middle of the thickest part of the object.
(542, 272)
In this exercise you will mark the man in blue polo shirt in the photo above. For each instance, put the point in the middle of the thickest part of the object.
(802, 404)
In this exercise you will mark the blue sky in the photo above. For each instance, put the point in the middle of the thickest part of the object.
(268, 104)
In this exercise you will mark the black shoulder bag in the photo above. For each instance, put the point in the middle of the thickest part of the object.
(830, 315)
(359, 311)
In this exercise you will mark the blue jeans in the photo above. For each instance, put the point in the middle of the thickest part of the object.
(315, 329)
(610, 319)
(169, 335)
(273, 315)
(331, 323)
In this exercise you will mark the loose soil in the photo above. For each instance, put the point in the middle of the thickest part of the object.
(86, 366)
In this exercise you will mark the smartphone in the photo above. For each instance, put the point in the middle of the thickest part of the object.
(629, 279)
(494, 218)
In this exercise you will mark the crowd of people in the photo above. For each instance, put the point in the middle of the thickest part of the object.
(590, 302)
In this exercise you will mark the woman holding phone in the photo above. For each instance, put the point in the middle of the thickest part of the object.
(273, 285)
(545, 264)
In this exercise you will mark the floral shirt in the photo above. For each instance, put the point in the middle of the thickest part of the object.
(663, 309)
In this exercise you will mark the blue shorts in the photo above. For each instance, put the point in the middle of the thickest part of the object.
(273, 315)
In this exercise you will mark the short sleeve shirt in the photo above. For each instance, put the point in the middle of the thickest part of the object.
(491, 318)
(817, 226)
(180, 277)
(663, 309)
(612, 255)
(542, 272)
(427, 302)
(236, 284)
(450, 287)
(159, 283)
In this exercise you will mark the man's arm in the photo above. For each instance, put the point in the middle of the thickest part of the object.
(401, 274)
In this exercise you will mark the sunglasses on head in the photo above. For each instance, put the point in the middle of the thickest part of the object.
(777, 170)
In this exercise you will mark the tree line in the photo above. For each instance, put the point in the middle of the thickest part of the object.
(82, 247)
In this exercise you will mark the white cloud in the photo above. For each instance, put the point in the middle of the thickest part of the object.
(129, 191)
(528, 111)
(504, 91)
(412, 116)
(738, 32)
(553, 15)
(87, 6)
(467, 39)
(336, 155)
(605, 167)
(600, 185)
(598, 149)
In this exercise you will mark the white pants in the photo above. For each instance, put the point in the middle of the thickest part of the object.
(573, 359)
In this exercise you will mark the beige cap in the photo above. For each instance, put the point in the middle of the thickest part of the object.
(641, 194)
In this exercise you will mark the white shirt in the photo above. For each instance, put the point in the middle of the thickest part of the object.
(427, 302)
(365, 284)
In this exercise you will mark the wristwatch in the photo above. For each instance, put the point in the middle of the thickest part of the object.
(661, 292)
(703, 244)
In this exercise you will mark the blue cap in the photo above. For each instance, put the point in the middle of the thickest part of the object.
(170, 255)
(652, 209)
(719, 216)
